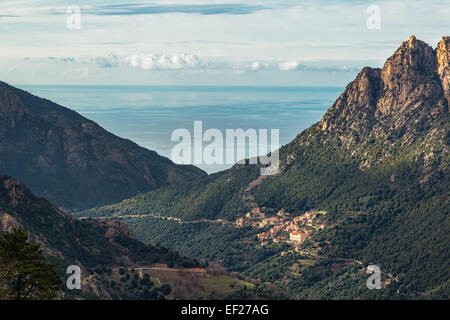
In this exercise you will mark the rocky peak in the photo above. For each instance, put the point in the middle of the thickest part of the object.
(412, 54)
(358, 101)
(406, 77)
(412, 87)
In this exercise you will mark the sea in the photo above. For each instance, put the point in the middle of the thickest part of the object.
(148, 115)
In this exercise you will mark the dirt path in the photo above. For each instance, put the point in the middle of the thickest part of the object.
(140, 269)
(174, 219)
(349, 260)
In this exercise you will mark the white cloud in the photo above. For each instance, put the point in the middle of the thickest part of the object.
(255, 65)
(164, 61)
(289, 65)
(259, 65)
(151, 61)
(189, 61)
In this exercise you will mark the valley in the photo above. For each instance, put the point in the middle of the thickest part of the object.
(366, 185)
(376, 163)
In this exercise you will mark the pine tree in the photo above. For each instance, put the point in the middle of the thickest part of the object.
(23, 271)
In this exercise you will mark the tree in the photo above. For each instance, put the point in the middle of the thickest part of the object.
(23, 271)
(165, 289)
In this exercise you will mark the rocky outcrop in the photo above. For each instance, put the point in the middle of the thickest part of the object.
(443, 57)
(363, 93)
(71, 160)
(115, 229)
(8, 222)
(405, 78)
(412, 87)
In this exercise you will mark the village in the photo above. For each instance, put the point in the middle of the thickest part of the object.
(282, 227)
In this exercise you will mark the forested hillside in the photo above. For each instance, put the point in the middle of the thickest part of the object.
(95, 246)
(377, 163)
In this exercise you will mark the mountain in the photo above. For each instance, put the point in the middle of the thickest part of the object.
(71, 160)
(94, 245)
(113, 264)
(377, 164)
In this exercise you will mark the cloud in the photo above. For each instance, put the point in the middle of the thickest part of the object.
(289, 65)
(189, 61)
(110, 61)
(298, 66)
(164, 61)
(259, 65)
(149, 61)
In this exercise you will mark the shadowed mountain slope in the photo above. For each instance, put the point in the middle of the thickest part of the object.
(90, 244)
(71, 160)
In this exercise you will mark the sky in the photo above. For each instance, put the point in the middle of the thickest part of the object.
(215, 42)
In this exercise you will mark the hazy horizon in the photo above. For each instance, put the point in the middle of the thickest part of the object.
(222, 43)
(148, 115)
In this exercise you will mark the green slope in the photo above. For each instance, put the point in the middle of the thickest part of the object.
(377, 163)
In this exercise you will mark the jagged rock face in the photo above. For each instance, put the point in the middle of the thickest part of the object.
(404, 79)
(363, 94)
(442, 55)
(71, 160)
(411, 87)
